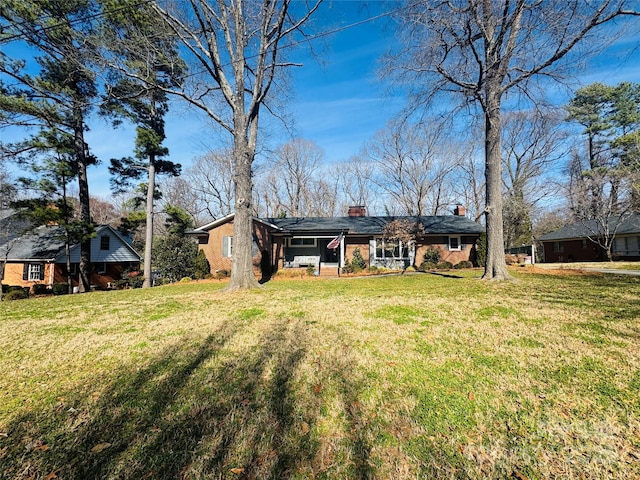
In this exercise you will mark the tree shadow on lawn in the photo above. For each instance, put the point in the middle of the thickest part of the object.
(198, 410)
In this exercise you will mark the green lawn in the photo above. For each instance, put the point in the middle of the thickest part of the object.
(414, 376)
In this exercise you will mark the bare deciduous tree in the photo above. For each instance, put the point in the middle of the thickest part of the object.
(531, 145)
(292, 178)
(484, 49)
(411, 166)
(211, 180)
(234, 49)
(356, 188)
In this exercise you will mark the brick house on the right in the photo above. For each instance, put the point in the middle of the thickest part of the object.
(573, 243)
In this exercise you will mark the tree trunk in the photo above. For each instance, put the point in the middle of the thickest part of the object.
(148, 238)
(242, 275)
(83, 196)
(495, 266)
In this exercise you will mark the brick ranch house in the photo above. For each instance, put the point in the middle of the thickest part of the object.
(572, 243)
(296, 243)
(38, 257)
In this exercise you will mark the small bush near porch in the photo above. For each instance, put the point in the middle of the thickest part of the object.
(414, 376)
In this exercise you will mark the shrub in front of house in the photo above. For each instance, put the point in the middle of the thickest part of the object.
(186, 280)
(222, 273)
(60, 288)
(481, 250)
(311, 270)
(136, 282)
(358, 262)
(427, 266)
(11, 288)
(463, 264)
(431, 256)
(373, 269)
(511, 259)
(444, 265)
(41, 289)
(15, 295)
(347, 268)
(202, 267)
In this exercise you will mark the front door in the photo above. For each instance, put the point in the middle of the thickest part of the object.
(328, 255)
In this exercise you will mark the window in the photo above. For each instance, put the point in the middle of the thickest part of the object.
(558, 247)
(104, 242)
(227, 246)
(454, 244)
(73, 269)
(390, 249)
(101, 267)
(302, 242)
(584, 243)
(35, 272)
(626, 246)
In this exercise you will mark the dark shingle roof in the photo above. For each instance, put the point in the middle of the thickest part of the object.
(433, 225)
(629, 225)
(42, 243)
(47, 242)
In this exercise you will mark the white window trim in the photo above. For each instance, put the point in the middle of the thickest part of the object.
(102, 269)
(35, 271)
(229, 253)
(459, 247)
(309, 245)
(401, 248)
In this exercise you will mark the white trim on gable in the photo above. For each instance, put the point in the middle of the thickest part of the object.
(227, 218)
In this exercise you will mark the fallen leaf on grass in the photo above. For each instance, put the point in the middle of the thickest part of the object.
(237, 471)
(472, 397)
(41, 448)
(100, 447)
(519, 475)
(304, 428)
(52, 475)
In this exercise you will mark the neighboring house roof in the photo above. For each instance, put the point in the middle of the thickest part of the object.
(46, 243)
(11, 225)
(433, 225)
(589, 228)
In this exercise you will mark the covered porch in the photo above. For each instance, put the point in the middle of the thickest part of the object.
(325, 253)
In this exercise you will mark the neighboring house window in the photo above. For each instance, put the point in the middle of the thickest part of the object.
(302, 242)
(584, 243)
(104, 242)
(454, 244)
(390, 249)
(227, 246)
(73, 269)
(33, 272)
(627, 246)
(101, 267)
(558, 247)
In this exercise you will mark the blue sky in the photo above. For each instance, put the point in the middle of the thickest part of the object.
(336, 99)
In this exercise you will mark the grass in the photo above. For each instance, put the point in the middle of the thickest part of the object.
(415, 376)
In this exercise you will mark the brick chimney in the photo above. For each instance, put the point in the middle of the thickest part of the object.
(357, 211)
(460, 211)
